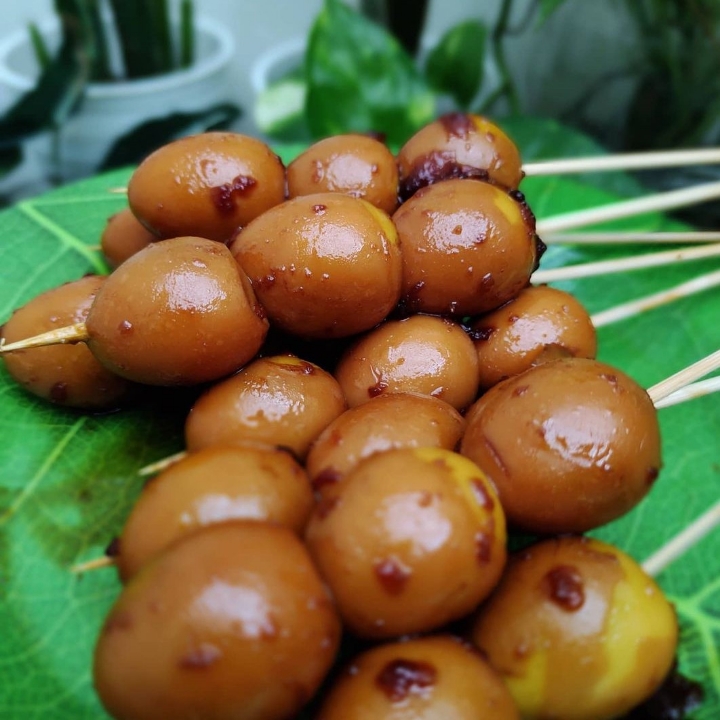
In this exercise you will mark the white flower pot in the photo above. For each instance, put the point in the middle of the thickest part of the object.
(111, 109)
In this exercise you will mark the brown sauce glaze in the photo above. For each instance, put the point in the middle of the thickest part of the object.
(483, 547)
(399, 678)
(565, 587)
(436, 167)
(223, 196)
(328, 476)
(457, 124)
(200, 657)
(482, 495)
(393, 575)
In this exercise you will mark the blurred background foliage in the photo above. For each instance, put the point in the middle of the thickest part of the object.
(369, 70)
(648, 80)
(669, 53)
(107, 41)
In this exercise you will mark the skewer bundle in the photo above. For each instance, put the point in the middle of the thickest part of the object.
(655, 565)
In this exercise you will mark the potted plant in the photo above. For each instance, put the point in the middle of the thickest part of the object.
(105, 84)
(399, 78)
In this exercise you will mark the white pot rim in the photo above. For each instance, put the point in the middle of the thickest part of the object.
(262, 67)
(144, 86)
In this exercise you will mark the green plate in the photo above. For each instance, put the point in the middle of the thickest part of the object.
(68, 480)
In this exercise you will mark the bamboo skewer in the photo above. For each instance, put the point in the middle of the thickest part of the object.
(685, 376)
(624, 161)
(690, 392)
(97, 563)
(62, 336)
(603, 163)
(634, 307)
(678, 388)
(619, 238)
(160, 465)
(627, 208)
(683, 541)
(636, 262)
(669, 389)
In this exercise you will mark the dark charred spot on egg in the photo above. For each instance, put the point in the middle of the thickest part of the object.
(457, 124)
(401, 678)
(540, 249)
(652, 475)
(201, 657)
(377, 389)
(565, 587)
(224, 196)
(113, 548)
(483, 547)
(393, 575)
(329, 476)
(481, 333)
(436, 167)
(482, 495)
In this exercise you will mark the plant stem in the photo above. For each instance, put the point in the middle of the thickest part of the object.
(40, 48)
(497, 42)
(187, 36)
(161, 35)
(101, 64)
(405, 19)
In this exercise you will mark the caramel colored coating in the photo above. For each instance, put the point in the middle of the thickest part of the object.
(467, 247)
(66, 375)
(398, 420)
(356, 165)
(455, 145)
(422, 354)
(230, 622)
(278, 400)
(410, 540)
(569, 445)
(324, 265)
(123, 236)
(432, 678)
(540, 324)
(206, 185)
(179, 312)
(210, 486)
(578, 631)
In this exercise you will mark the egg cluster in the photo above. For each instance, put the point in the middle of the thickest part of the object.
(384, 394)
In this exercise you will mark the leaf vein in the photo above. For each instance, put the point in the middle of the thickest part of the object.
(67, 239)
(32, 485)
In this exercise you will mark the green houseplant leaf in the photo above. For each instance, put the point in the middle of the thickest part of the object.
(455, 65)
(69, 480)
(360, 79)
(135, 145)
(548, 7)
(61, 84)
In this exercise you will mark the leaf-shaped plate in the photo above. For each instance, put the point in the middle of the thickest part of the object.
(68, 480)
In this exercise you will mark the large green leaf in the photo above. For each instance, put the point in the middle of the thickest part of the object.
(360, 79)
(141, 140)
(455, 65)
(69, 480)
